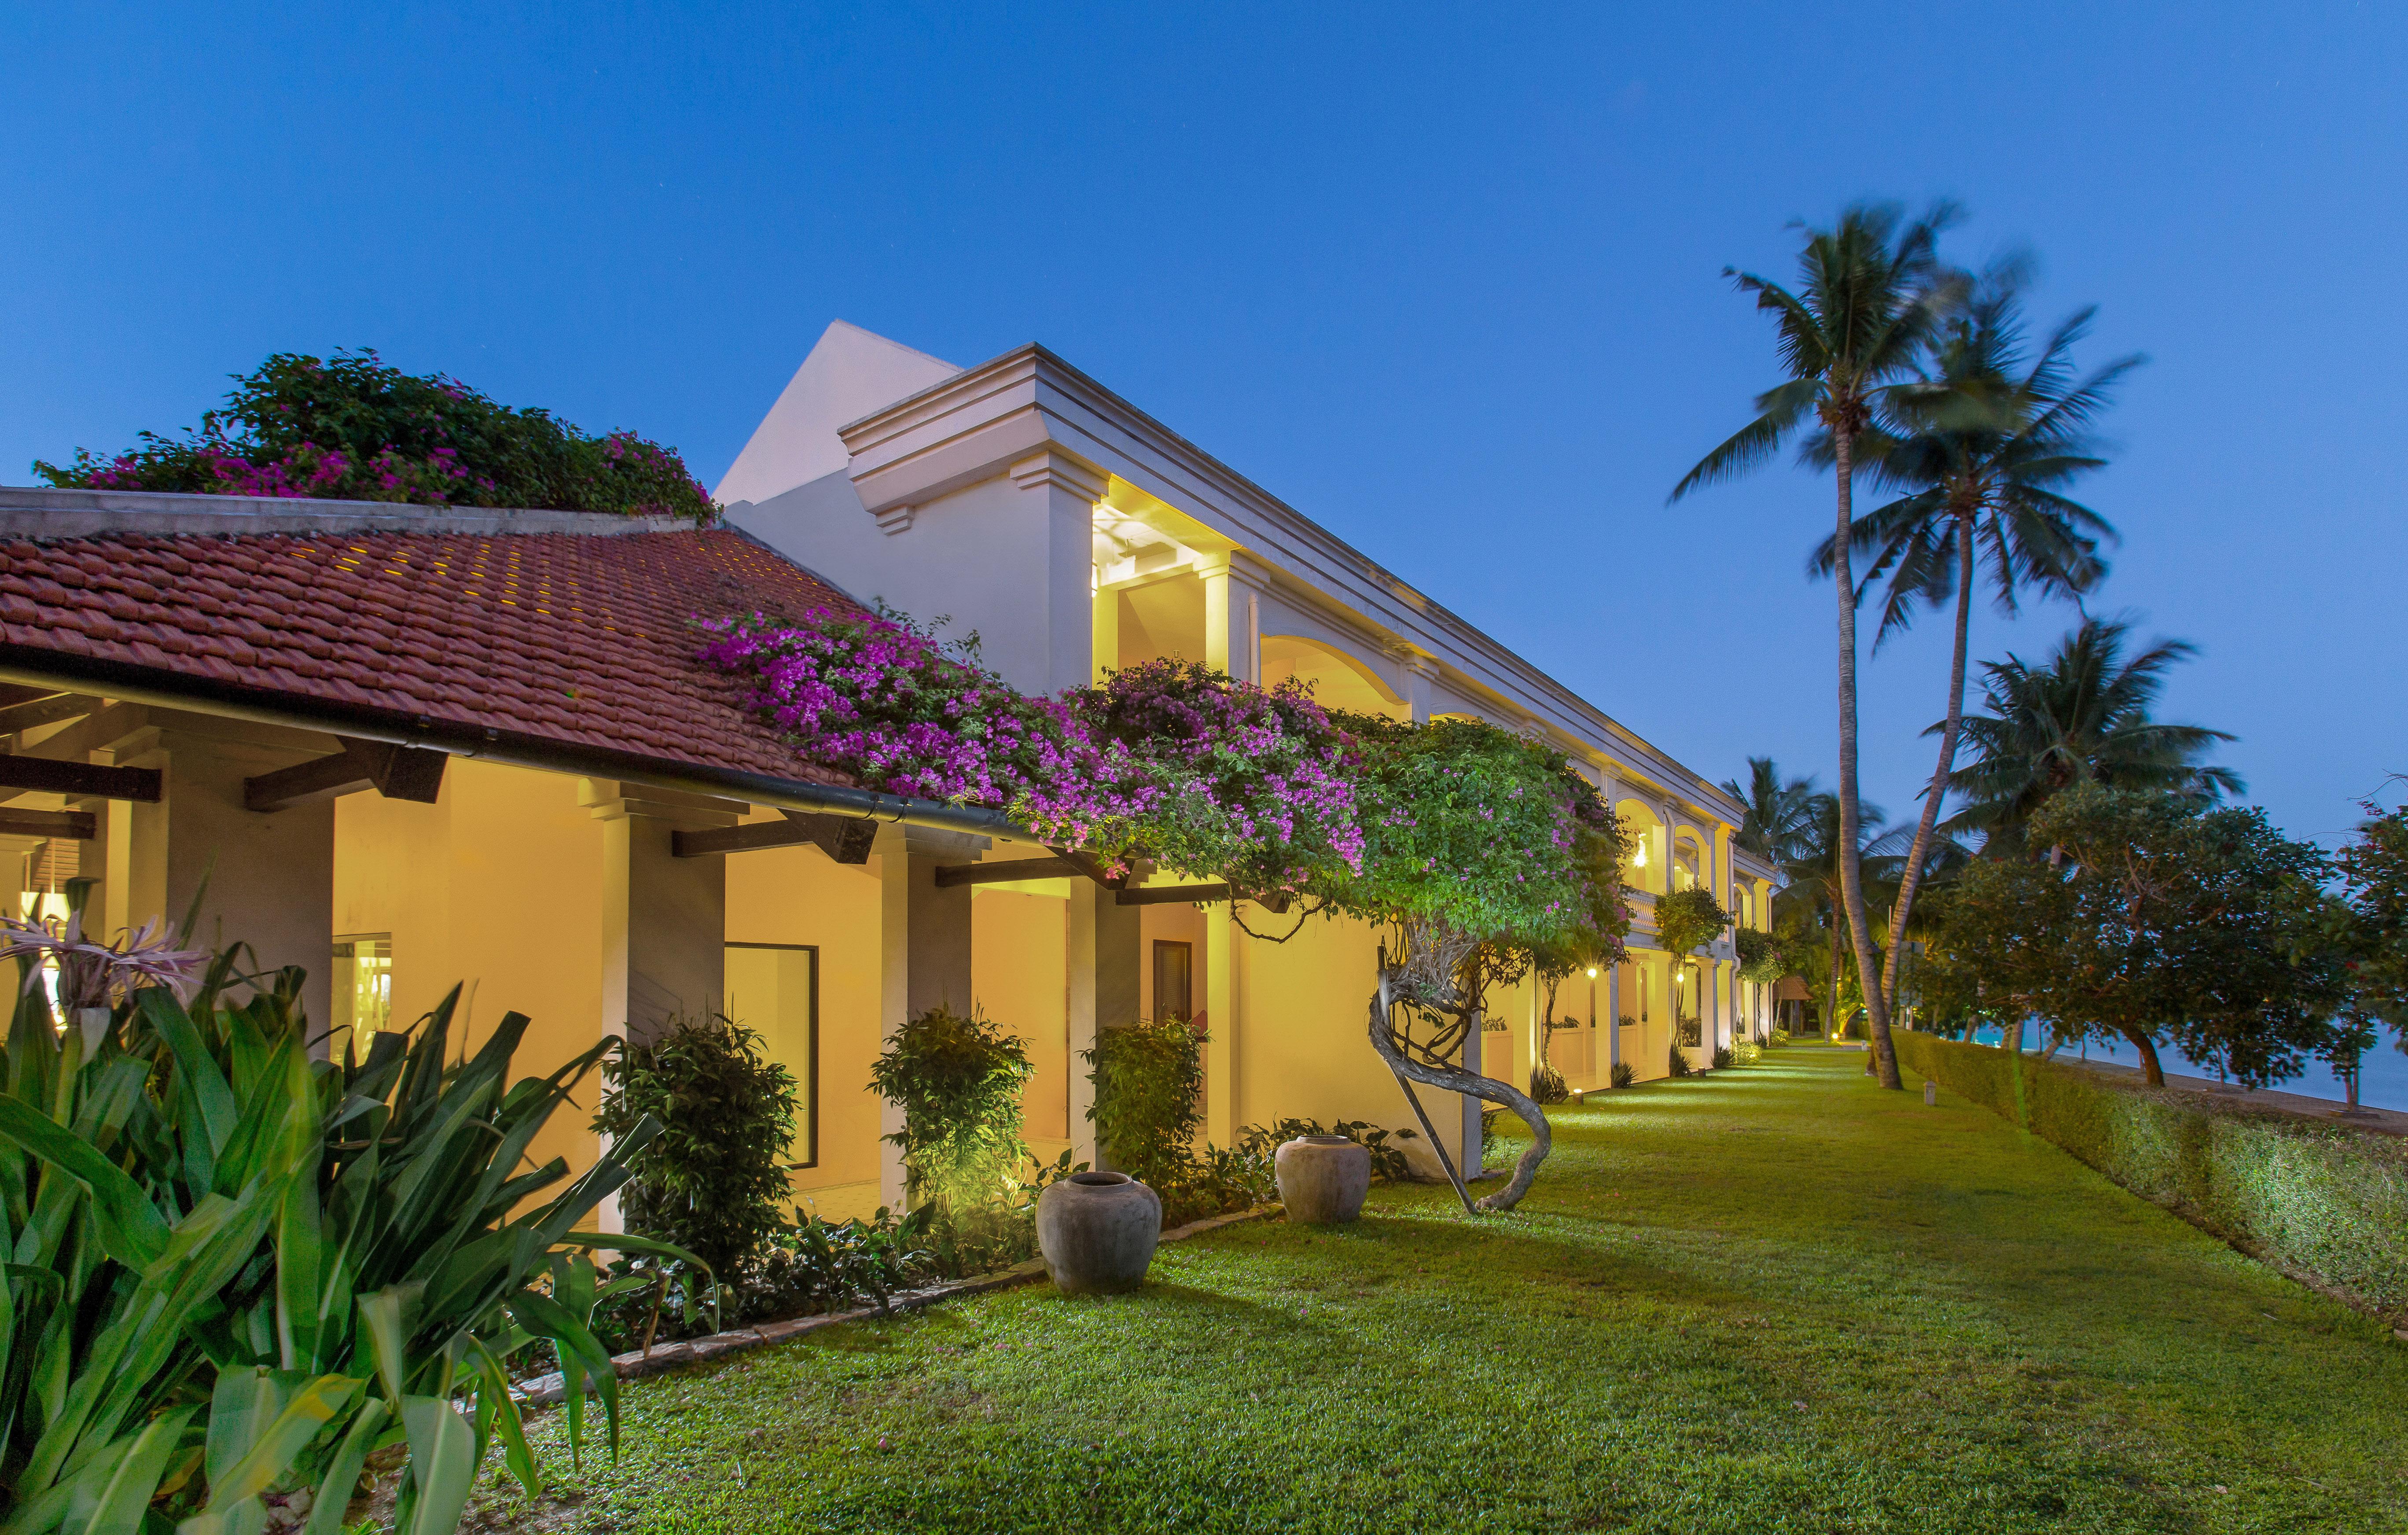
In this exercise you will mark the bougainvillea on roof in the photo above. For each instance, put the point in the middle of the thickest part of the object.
(1455, 821)
(350, 428)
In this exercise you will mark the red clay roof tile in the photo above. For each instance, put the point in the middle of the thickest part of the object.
(585, 638)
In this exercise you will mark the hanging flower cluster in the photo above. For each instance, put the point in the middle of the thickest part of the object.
(1168, 761)
(1455, 820)
(906, 714)
(1253, 786)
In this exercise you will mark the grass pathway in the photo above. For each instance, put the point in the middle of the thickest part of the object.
(1775, 1299)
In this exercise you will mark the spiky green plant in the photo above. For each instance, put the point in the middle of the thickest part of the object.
(237, 1270)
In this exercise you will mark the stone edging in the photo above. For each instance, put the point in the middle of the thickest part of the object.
(545, 1390)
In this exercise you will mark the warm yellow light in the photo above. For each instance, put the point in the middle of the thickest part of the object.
(1638, 859)
(1591, 972)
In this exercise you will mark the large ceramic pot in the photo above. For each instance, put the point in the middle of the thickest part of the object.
(1097, 1231)
(1323, 1178)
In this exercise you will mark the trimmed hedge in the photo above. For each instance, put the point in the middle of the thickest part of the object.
(2327, 1204)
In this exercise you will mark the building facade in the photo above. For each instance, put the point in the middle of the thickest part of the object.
(407, 747)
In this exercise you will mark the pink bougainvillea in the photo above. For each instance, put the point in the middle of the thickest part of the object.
(1166, 761)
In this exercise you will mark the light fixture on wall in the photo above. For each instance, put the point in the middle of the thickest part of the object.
(1591, 972)
(1638, 859)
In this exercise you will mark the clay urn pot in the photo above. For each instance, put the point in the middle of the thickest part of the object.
(1097, 1231)
(1323, 1178)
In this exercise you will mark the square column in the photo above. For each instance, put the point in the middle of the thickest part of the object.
(266, 879)
(1065, 491)
(1234, 585)
(664, 918)
(1611, 1023)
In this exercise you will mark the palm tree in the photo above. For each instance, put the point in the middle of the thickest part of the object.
(1815, 885)
(2083, 715)
(1872, 291)
(1779, 816)
(1984, 446)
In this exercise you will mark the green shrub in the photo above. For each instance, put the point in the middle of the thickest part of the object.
(350, 428)
(958, 1082)
(1676, 1063)
(238, 1271)
(1547, 1084)
(1149, 1078)
(1722, 1057)
(1622, 1075)
(2324, 1202)
(715, 1181)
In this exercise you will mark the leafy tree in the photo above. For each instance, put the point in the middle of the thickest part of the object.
(1871, 292)
(1987, 443)
(1483, 854)
(349, 427)
(2158, 921)
(2080, 716)
(715, 1182)
(2374, 879)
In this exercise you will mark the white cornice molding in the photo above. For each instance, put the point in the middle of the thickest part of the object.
(974, 425)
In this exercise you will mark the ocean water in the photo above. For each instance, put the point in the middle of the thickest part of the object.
(2382, 1082)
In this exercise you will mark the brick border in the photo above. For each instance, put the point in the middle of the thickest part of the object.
(545, 1390)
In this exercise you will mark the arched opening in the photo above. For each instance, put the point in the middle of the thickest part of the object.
(1645, 869)
(1338, 680)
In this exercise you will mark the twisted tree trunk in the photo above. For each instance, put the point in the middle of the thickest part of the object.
(1455, 1079)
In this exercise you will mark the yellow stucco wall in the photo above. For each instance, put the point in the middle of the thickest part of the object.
(798, 894)
(1019, 976)
(496, 887)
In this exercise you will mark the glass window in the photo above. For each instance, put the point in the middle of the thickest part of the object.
(773, 989)
(363, 986)
(1174, 987)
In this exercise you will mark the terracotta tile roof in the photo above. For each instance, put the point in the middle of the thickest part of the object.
(584, 640)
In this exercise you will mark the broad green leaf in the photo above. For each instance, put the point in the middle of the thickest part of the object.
(127, 1476)
(276, 1444)
(129, 1226)
(493, 1397)
(442, 1463)
(380, 1319)
(333, 1495)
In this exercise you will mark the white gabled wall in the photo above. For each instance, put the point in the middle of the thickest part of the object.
(849, 374)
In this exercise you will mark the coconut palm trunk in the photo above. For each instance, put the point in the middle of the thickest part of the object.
(1920, 849)
(1851, 883)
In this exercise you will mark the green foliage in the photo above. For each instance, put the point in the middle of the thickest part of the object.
(1761, 959)
(1722, 1057)
(2083, 715)
(350, 427)
(715, 1181)
(1149, 1080)
(1547, 1084)
(2319, 1200)
(1687, 919)
(2156, 922)
(239, 1271)
(958, 1082)
(2375, 876)
(1388, 1163)
(1484, 833)
(1675, 1062)
(1623, 1074)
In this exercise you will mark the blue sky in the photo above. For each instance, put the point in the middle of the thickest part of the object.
(1445, 280)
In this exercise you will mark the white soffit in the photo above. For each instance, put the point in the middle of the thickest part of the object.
(850, 374)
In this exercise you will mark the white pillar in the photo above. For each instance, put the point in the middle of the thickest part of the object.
(1067, 490)
(1234, 585)
(1079, 991)
(1612, 1020)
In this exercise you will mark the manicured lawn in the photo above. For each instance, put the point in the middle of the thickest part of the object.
(1773, 1300)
